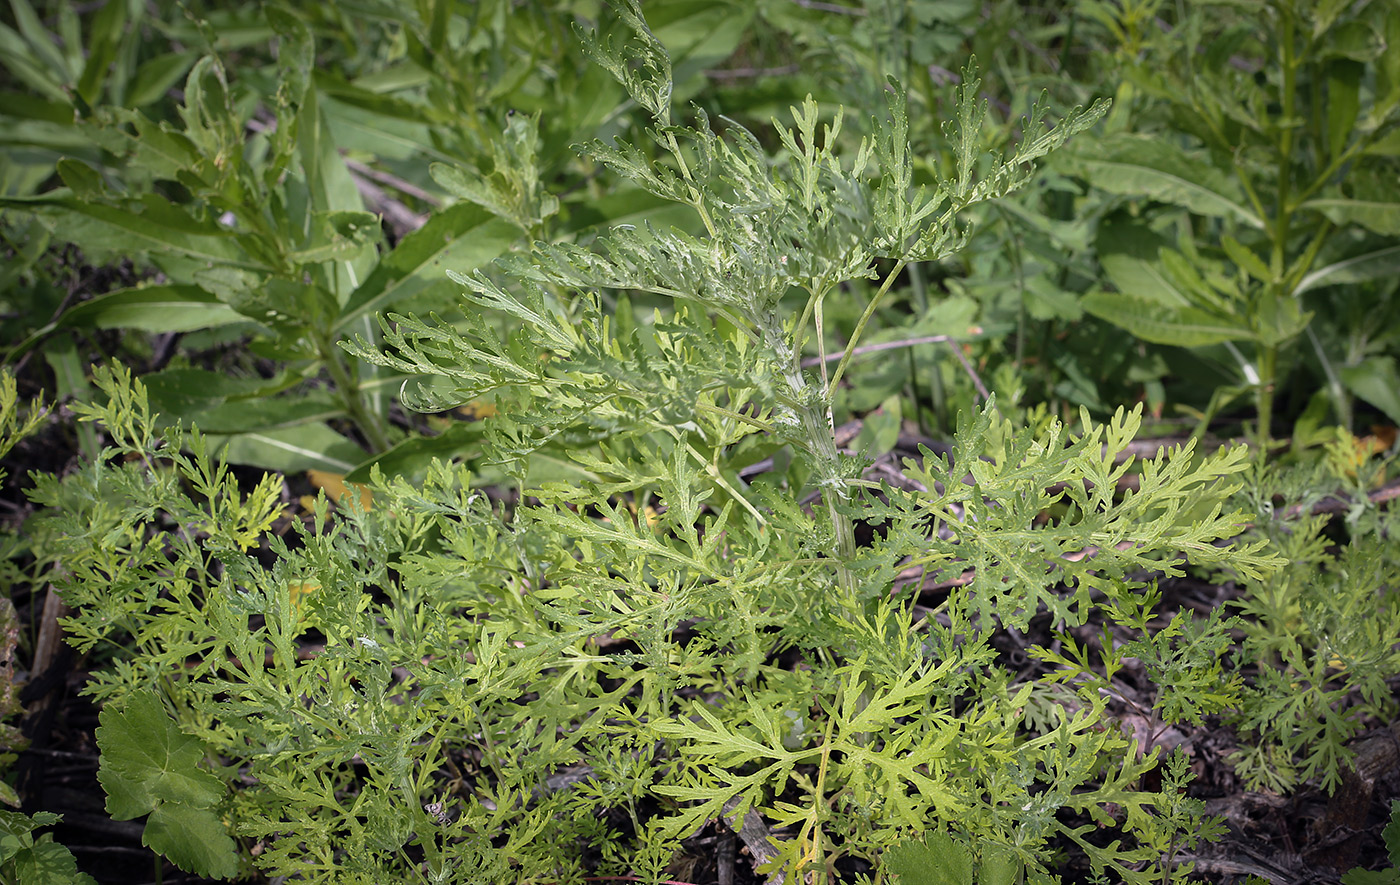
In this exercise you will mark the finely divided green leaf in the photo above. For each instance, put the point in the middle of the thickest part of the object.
(106, 229)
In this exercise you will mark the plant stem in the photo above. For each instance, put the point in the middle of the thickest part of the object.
(351, 395)
(864, 318)
(718, 478)
(834, 491)
(1268, 361)
(1278, 290)
(811, 407)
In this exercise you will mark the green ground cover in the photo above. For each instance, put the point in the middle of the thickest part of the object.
(700, 442)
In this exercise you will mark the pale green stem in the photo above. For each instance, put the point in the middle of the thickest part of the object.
(720, 481)
(352, 396)
(695, 201)
(821, 352)
(812, 408)
(1268, 362)
(1340, 402)
(1268, 353)
(860, 326)
(816, 424)
(736, 416)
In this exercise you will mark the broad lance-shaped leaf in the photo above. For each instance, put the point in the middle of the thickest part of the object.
(1377, 381)
(292, 449)
(151, 309)
(336, 235)
(257, 414)
(154, 78)
(462, 237)
(331, 189)
(700, 36)
(162, 229)
(1131, 256)
(149, 766)
(1153, 321)
(105, 36)
(24, 64)
(365, 121)
(1149, 167)
(1358, 268)
(1378, 216)
(176, 393)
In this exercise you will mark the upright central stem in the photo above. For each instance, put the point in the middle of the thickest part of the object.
(812, 409)
(833, 487)
(351, 396)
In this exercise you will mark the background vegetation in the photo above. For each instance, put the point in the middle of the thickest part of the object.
(525, 441)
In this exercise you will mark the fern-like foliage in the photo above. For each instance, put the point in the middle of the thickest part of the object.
(618, 661)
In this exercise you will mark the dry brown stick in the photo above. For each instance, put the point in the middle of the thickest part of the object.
(725, 855)
(390, 180)
(756, 836)
(830, 7)
(1340, 503)
(403, 219)
(909, 342)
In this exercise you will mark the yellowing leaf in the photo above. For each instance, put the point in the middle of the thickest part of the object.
(300, 591)
(335, 487)
(476, 410)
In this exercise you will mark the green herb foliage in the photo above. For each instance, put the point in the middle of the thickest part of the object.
(445, 688)
(244, 181)
(1322, 636)
(1259, 141)
(24, 858)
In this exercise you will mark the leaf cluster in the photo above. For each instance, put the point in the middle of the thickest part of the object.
(631, 634)
(1321, 637)
(1256, 142)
